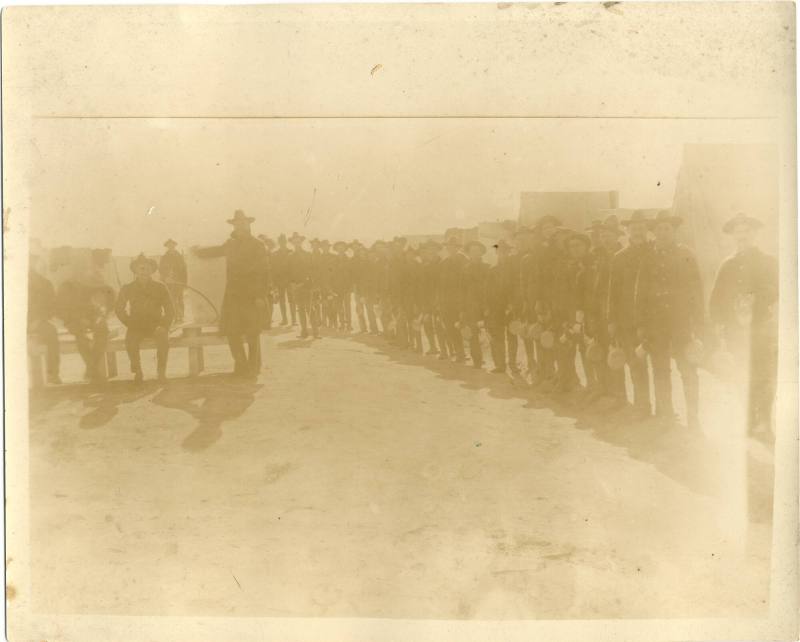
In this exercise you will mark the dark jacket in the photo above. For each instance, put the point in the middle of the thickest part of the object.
(41, 299)
(172, 267)
(449, 292)
(747, 281)
(144, 306)
(81, 305)
(280, 261)
(474, 281)
(622, 287)
(669, 293)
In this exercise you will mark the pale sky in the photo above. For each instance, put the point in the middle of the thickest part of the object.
(94, 180)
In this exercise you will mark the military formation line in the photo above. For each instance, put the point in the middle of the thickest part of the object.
(619, 297)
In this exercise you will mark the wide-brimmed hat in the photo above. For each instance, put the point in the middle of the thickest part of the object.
(170, 243)
(297, 238)
(581, 237)
(665, 216)
(548, 218)
(239, 216)
(143, 260)
(340, 244)
(638, 216)
(478, 244)
(741, 219)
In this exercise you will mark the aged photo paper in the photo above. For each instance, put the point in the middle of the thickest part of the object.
(400, 322)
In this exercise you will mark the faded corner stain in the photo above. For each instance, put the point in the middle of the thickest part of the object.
(612, 7)
(11, 592)
(6, 220)
(504, 5)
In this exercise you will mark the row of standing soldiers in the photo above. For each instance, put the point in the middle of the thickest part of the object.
(554, 294)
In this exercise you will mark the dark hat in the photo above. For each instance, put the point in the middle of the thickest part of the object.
(297, 238)
(341, 244)
(580, 237)
(502, 246)
(471, 244)
(170, 243)
(638, 216)
(665, 216)
(548, 218)
(741, 219)
(143, 260)
(239, 216)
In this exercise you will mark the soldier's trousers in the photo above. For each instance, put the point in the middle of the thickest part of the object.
(133, 342)
(565, 357)
(46, 333)
(640, 377)
(344, 310)
(249, 363)
(91, 342)
(430, 331)
(372, 320)
(386, 318)
(285, 298)
(449, 320)
(496, 325)
(306, 308)
(663, 347)
(176, 295)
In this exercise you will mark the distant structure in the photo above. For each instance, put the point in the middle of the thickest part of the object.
(576, 210)
(714, 183)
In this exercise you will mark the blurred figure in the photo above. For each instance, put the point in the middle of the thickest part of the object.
(743, 306)
(449, 296)
(300, 283)
(670, 315)
(243, 303)
(269, 299)
(621, 312)
(280, 278)
(500, 287)
(41, 310)
(172, 268)
(83, 302)
(145, 308)
(474, 308)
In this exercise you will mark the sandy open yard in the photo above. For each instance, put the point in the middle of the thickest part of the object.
(353, 479)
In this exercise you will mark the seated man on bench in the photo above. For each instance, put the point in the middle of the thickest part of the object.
(145, 308)
(83, 302)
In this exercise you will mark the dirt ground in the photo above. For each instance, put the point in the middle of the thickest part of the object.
(355, 479)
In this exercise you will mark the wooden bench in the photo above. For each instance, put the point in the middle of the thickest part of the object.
(192, 337)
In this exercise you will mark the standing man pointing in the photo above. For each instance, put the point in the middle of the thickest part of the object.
(243, 304)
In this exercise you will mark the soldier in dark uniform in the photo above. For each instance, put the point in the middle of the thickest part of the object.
(269, 297)
(608, 382)
(525, 296)
(669, 314)
(280, 278)
(300, 282)
(397, 285)
(429, 277)
(83, 303)
(412, 300)
(172, 269)
(145, 308)
(41, 310)
(243, 303)
(318, 284)
(342, 286)
(743, 306)
(500, 288)
(621, 312)
(575, 294)
(324, 268)
(360, 265)
(474, 280)
(549, 257)
(449, 296)
(382, 279)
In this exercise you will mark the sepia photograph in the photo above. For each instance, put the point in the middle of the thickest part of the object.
(394, 321)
